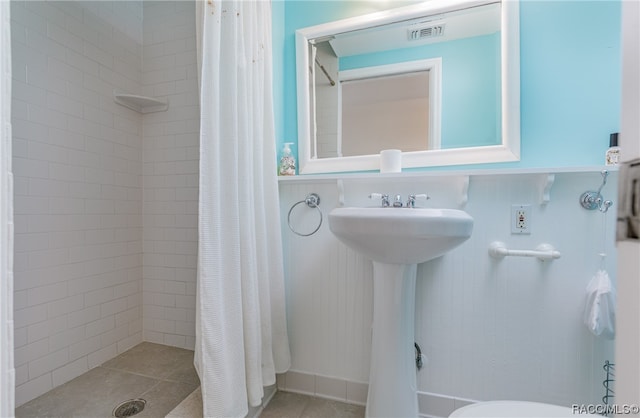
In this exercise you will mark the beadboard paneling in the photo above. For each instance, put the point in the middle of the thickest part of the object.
(491, 329)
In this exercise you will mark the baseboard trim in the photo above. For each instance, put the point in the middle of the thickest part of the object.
(430, 405)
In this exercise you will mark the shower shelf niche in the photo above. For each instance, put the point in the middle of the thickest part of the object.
(141, 104)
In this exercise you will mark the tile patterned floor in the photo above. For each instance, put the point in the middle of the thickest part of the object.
(293, 405)
(165, 377)
(282, 405)
(161, 375)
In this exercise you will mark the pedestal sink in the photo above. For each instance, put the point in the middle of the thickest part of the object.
(396, 240)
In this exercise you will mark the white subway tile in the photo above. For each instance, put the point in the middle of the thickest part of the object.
(69, 371)
(29, 316)
(30, 205)
(175, 340)
(64, 104)
(22, 374)
(24, 56)
(41, 277)
(19, 300)
(66, 305)
(83, 317)
(44, 80)
(128, 316)
(99, 296)
(67, 173)
(58, 68)
(23, 167)
(47, 152)
(20, 14)
(47, 187)
(66, 137)
(93, 52)
(77, 60)
(61, 239)
(100, 326)
(129, 342)
(31, 351)
(84, 347)
(186, 328)
(65, 205)
(42, 294)
(33, 388)
(47, 117)
(66, 338)
(98, 357)
(19, 147)
(96, 159)
(46, 328)
(114, 335)
(113, 307)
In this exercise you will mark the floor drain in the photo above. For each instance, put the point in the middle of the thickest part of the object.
(129, 408)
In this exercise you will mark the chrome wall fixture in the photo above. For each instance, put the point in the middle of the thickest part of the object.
(312, 200)
(591, 200)
(397, 203)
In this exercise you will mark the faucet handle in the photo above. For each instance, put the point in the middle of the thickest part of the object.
(384, 198)
(411, 200)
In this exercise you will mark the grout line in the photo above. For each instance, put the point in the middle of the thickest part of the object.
(160, 379)
(150, 389)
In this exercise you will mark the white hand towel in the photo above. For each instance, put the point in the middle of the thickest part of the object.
(599, 310)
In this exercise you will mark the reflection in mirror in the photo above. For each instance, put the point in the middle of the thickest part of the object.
(380, 107)
(383, 112)
(434, 80)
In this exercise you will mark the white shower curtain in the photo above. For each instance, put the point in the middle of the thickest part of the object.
(7, 371)
(241, 336)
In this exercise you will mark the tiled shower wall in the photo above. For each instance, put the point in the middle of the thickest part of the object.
(78, 188)
(171, 155)
(98, 184)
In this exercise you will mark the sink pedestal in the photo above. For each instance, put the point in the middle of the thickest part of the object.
(397, 240)
(392, 374)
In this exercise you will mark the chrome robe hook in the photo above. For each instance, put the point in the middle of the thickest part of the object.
(591, 200)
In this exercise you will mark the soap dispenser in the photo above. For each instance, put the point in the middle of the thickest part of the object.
(287, 165)
(612, 157)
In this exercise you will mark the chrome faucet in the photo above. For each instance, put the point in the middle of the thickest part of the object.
(397, 201)
(384, 199)
(411, 200)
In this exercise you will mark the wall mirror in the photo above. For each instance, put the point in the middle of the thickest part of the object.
(439, 80)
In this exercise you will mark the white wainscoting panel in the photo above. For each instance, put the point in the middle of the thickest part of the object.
(490, 329)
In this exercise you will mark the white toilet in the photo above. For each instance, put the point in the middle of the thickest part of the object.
(515, 409)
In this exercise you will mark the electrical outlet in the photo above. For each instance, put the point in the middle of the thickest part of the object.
(520, 219)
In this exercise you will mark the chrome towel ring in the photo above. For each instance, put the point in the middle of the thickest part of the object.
(313, 201)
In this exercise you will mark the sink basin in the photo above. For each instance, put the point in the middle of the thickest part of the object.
(400, 235)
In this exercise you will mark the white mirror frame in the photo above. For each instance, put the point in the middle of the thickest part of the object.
(508, 150)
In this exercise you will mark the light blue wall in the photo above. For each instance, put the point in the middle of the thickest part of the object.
(570, 76)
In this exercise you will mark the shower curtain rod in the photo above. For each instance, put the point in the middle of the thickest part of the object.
(333, 83)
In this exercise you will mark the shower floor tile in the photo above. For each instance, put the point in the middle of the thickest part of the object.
(161, 375)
